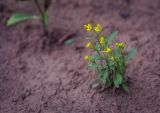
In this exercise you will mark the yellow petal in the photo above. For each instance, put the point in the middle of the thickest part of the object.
(102, 40)
(98, 28)
(88, 58)
(88, 27)
(121, 44)
(107, 50)
(89, 45)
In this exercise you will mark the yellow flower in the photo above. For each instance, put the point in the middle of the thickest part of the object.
(88, 58)
(102, 40)
(121, 44)
(89, 45)
(98, 28)
(88, 27)
(107, 50)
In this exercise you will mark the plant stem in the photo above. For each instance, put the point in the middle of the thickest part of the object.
(42, 16)
(97, 67)
(124, 70)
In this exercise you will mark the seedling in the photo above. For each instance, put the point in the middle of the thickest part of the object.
(41, 5)
(110, 58)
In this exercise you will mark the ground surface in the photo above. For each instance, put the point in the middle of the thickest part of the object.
(56, 80)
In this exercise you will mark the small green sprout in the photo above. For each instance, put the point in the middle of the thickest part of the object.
(109, 61)
(43, 10)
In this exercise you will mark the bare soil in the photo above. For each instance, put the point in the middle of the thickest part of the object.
(56, 80)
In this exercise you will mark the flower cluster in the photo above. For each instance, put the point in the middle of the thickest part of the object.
(89, 27)
(101, 41)
(109, 61)
(121, 45)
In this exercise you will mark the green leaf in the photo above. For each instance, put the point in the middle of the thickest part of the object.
(125, 88)
(108, 82)
(112, 64)
(103, 75)
(18, 17)
(97, 47)
(92, 66)
(130, 55)
(45, 18)
(120, 61)
(69, 41)
(96, 57)
(118, 80)
(117, 52)
(111, 37)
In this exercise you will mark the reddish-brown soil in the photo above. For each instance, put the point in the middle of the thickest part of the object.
(56, 80)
